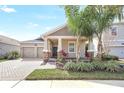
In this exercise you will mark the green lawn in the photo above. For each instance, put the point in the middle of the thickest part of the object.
(56, 74)
(3, 60)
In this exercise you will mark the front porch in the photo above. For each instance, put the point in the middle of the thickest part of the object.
(54, 44)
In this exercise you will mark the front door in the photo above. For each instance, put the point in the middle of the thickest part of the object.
(54, 52)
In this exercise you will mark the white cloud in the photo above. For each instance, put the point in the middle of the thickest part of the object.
(7, 9)
(46, 17)
(30, 24)
(48, 28)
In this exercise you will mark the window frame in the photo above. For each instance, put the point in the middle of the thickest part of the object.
(116, 30)
(69, 46)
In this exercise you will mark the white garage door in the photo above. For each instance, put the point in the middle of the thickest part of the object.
(117, 51)
(40, 52)
(28, 52)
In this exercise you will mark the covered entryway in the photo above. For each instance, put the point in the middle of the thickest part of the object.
(117, 51)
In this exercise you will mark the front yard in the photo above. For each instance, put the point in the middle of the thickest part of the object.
(3, 60)
(56, 74)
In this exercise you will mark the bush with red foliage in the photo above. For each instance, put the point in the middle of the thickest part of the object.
(63, 54)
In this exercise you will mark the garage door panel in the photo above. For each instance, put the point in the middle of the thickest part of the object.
(28, 52)
(117, 51)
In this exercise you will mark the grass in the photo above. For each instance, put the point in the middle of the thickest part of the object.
(3, 60)
(56, 74)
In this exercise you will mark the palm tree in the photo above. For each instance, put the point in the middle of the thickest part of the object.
(101, 18)
(78, 24)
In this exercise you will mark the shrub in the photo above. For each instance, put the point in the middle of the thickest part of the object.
(112, 67)
(81, 66)
(84, 67)
(109, 57)
(71, 66)
(98, 65)
(109, 66)
(61, 60)
(12, 55)
(2, 57)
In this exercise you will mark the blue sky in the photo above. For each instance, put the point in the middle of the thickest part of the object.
(29, 22)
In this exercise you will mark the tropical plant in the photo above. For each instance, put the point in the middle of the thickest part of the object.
(12, 55)
(92, 20)
(84, 67)
(98, 66)
(112, 67)
(101, 18)
(78, 25)
(70, 66)
(109, 57)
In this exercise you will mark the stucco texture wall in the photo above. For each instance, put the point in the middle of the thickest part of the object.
(5, 48)
(73, 55)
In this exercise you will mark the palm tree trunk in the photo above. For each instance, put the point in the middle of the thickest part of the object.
(100, 49)
(77, 50)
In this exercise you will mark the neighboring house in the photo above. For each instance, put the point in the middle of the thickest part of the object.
(8, 44)
(32, 48)
(114, 38)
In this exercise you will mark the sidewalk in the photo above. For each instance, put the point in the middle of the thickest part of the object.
(62, 84)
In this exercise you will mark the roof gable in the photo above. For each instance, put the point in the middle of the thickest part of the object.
(60, 31)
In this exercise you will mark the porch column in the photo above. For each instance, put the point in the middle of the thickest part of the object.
(59, 46)
(45, 51)
(91, 50)
(45, 45)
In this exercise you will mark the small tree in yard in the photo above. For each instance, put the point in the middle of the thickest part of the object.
(92, 20)
(102, 17)
(78, 24)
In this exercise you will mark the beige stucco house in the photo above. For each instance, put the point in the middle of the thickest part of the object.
(52, 42)
(61, 38)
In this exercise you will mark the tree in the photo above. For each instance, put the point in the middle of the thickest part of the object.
(101, 18)
(78, 24)
(93, 20)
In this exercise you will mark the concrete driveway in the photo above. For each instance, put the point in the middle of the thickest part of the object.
(18, 69)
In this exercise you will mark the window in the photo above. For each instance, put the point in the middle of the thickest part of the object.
(71, 47)
(113, 31)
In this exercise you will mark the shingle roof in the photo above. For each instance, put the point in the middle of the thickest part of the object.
(37, 40)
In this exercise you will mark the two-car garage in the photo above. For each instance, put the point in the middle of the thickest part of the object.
(32, 52)
(32, 49)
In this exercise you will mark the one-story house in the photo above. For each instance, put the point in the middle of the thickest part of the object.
(61, 38)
